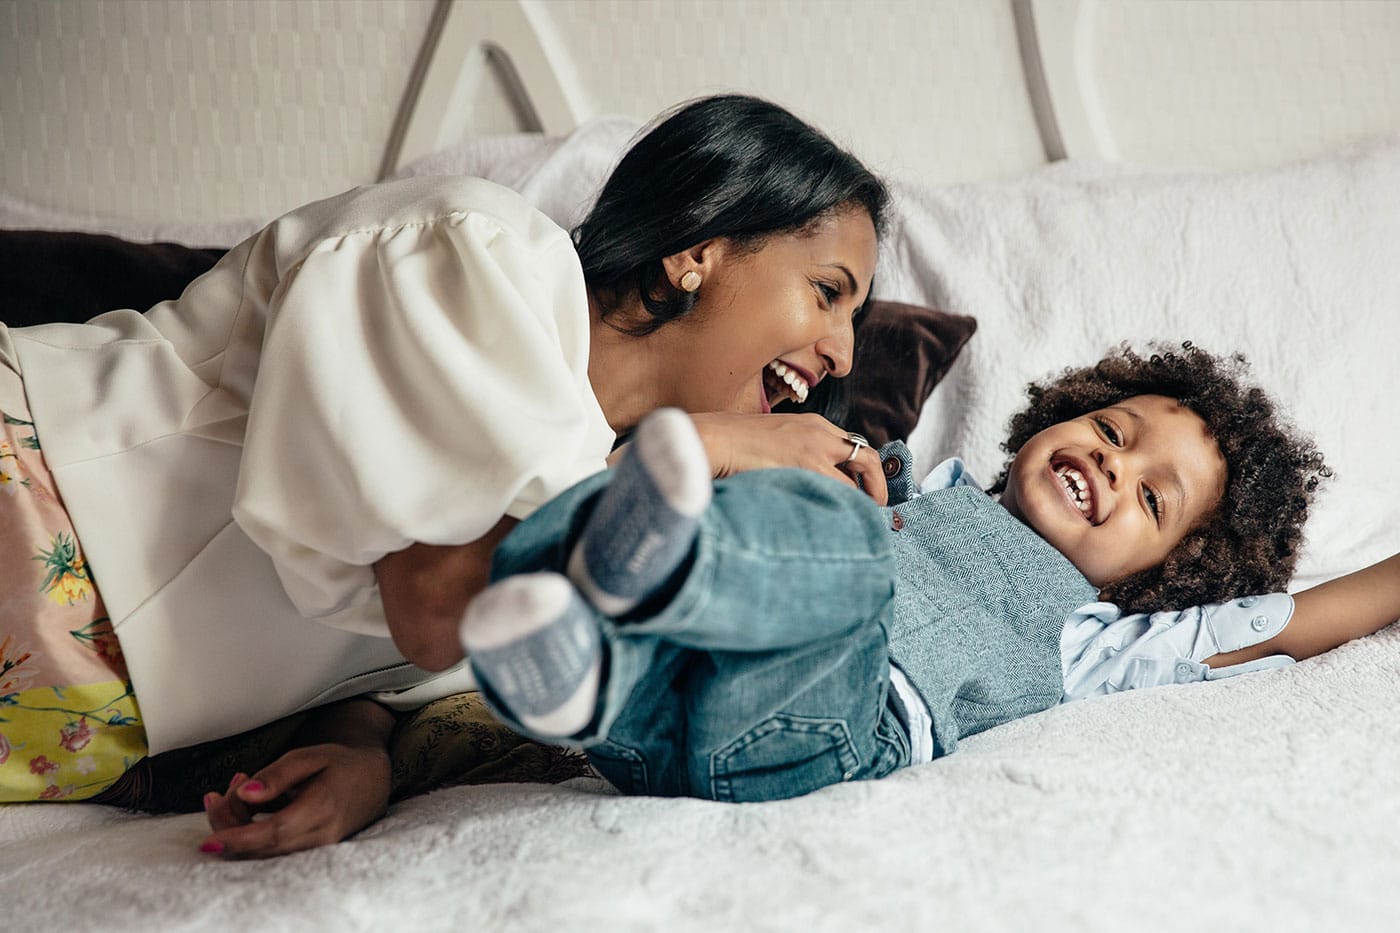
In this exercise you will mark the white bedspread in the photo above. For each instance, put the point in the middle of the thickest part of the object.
(1266, 802)
(1263, 803)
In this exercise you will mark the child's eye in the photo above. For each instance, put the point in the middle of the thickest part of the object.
(1153, 503)
(1109, 431)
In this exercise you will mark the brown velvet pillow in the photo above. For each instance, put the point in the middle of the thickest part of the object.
(48, 277)
(902, 352)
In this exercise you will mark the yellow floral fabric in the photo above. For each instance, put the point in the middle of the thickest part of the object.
(69, 724)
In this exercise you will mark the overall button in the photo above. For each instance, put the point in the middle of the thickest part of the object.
(1249, 601)
(1259, 623)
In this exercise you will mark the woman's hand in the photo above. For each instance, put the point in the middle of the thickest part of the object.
(736, 443)
(312, 796)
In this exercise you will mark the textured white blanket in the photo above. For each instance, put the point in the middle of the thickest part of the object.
(1262, 803)
(1266, 802)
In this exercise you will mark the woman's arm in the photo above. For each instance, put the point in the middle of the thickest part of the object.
(1332, 614)
(425, 589)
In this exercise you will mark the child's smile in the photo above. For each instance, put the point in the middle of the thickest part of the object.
(1079, 490)
(1117, 489)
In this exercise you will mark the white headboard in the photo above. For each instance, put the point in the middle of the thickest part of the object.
(200, 111)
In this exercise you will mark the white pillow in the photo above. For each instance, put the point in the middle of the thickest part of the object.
(1297, 267)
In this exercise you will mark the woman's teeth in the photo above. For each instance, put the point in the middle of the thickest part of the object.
(1078, 488)
(796, 386)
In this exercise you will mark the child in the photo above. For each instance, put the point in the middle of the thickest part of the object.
(776, 632)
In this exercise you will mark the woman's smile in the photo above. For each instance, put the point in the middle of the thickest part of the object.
(785, 381)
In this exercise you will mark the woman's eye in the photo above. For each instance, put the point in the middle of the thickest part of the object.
(829, 293)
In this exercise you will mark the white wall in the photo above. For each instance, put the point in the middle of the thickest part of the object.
(202, 110)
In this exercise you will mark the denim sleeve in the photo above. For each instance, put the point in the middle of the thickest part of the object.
(1104, 651)
(898, 464)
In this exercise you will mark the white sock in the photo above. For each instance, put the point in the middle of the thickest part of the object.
(645, 522)
(534, 642)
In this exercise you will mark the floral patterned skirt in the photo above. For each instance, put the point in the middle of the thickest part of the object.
(69, 724)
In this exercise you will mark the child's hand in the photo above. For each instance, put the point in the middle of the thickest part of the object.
(316, 795)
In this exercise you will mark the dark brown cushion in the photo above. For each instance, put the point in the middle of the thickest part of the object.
(47, 277)
(902, 352)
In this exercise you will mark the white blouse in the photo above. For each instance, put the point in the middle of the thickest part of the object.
(404, 362)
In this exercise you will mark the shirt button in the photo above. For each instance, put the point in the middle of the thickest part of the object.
(1259, 623)
(896, 521)
(1249, 601)
(892, 466)
(1184, 671)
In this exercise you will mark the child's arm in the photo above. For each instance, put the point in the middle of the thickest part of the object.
(316, 794)
(1331, 614)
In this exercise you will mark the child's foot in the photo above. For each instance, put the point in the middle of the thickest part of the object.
(535, 643)
(645, 522)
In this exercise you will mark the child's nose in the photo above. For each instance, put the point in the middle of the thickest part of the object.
(1108, 463)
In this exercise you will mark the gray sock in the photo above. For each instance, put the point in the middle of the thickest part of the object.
(534, 642)
(645, 523)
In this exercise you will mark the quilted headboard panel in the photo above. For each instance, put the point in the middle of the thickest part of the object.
(202, 111)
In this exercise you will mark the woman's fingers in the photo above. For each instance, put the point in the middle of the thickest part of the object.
(304, 823)
(282, 776)
(735, 443)
(866, 465)
(227, 810)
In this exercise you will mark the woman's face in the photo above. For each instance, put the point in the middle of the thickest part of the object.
(769, 325)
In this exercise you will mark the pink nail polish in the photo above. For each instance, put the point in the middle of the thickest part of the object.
(254, 786)
(212, 847)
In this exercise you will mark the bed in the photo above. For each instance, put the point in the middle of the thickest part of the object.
(1075, 173)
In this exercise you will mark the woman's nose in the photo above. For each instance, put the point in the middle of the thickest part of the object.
(837, 350)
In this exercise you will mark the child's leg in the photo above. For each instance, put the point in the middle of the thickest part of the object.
(781, 559)
(747, 726)
(644, 525)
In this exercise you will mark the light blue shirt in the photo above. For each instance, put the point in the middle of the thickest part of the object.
(1103, 650)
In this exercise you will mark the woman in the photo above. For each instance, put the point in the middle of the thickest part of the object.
(341, 420)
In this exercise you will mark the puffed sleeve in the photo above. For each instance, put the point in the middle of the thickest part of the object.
(1103, 650)
(415, 384)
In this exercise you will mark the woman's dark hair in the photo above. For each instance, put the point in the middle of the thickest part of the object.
(1250, 542)
(729, 166)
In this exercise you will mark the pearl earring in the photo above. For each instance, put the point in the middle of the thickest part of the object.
(690, 281)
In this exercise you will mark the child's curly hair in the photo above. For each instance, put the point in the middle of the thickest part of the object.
(1250, 542)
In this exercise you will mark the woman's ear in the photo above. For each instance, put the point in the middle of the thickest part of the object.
(687, 269)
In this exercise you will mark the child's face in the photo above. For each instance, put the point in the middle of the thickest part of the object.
(1117, 489)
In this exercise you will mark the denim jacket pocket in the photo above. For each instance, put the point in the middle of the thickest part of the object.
(785, 756)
